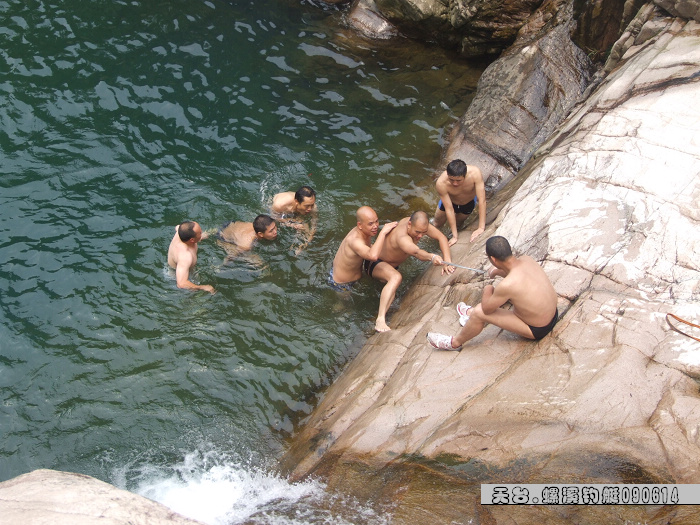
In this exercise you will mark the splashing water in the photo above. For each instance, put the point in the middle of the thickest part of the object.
(219, 490)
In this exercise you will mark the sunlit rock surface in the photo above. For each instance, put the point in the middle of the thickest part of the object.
(49, 497)
(610, 206)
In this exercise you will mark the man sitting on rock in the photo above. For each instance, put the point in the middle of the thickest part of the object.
(525, 285)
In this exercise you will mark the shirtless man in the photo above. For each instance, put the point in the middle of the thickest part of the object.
(357, 248)
(525, 285)
(244, 234)
(458, 186)
(398, 246)
(182, 254)
(301, 202)
(286, 205)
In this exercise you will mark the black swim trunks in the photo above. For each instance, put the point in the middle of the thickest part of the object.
(368, 266)
(464, 209)
(540, 331)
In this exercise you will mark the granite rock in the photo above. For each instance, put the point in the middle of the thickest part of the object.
(50, 497)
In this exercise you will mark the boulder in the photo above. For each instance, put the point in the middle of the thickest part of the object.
(49, 497)
(689, 9)
(609, 205)
(365, 18)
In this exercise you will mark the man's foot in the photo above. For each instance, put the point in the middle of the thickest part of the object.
(463, 311)
(381, 326)
(441, 341)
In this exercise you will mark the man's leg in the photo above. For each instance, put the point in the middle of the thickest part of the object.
(387, 273)
(440, 218)
(460, 218)
(504, 319)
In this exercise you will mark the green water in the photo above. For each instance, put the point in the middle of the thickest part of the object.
(120, 120)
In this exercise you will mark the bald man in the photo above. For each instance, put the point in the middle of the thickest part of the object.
(400, 244)
(357, 248)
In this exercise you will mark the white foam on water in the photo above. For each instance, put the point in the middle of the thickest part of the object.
(217, 491)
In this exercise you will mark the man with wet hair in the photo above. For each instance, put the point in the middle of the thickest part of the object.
(401, 243)
(182, 254)
(301, 202)
(461, 188)
(288, 206)
(244, 234)
(525, 285)
(357, 248)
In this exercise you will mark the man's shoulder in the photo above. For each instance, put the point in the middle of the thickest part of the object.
(441, 181)
(182, 253)
(526, 268)
(529, 261)
(474, 173)
(283, 198)
(351, 235)
(355, 238)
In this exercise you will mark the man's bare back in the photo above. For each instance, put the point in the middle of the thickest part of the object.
(239, 233)
(525, 285)
(530, 292)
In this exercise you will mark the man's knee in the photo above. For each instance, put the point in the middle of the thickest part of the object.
(477, 313)
(395, 278)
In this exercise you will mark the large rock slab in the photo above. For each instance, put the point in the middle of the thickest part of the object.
(609, 205)
(49, 497)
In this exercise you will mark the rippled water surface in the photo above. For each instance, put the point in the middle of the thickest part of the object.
(120, 120)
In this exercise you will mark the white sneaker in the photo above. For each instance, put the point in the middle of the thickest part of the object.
(441, 341)
(463, 311)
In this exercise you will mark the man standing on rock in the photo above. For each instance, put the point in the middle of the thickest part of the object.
(525, 285)
(182, 254)
(398, 246)
(460, 188)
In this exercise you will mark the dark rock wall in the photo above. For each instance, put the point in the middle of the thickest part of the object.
(476, 27)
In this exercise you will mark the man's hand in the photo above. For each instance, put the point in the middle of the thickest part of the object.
(389, 226)
(436, 260)
(453, 240)
(207, 288)
(476, 233)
